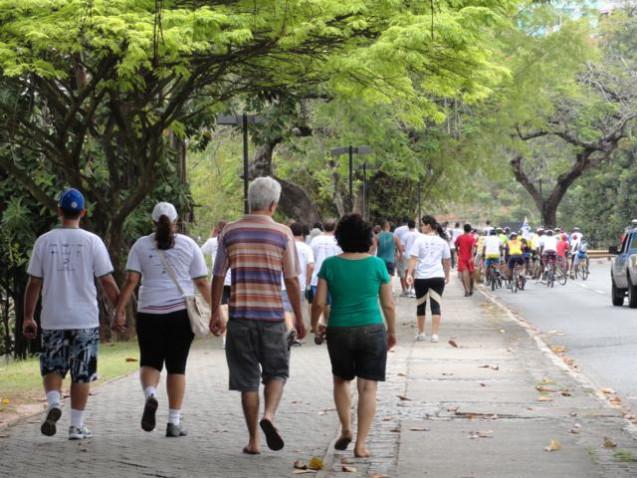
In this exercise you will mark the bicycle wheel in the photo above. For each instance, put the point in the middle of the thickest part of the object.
(514, 283)
(562, 277)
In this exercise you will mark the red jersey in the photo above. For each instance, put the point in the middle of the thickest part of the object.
(562, 247)
(464, 246)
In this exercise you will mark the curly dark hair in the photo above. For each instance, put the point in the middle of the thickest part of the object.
(354, 234)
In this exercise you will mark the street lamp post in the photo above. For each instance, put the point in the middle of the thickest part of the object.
(350, 151)
(242, 120)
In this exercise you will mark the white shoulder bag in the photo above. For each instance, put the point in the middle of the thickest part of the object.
(198, 310)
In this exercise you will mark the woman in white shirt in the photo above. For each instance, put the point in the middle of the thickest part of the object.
(428, 270)
(163, 327)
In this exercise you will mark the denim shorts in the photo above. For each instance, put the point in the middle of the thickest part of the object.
(329, 296)
(256, 350)
(358, 351)
(70, 349)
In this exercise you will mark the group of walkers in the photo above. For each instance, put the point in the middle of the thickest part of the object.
(262, 271)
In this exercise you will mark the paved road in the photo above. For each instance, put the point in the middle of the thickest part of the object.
(601, 338)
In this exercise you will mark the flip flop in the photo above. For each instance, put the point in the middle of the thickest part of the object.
(342, 443)
(247, 451)
(272, 437)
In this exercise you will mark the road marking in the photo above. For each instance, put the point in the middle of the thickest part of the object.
(601, 292)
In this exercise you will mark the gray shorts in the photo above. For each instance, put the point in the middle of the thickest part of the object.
(402, 266)
(256, 350)
(70, 349)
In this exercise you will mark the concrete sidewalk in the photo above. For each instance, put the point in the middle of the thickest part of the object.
(471, 411)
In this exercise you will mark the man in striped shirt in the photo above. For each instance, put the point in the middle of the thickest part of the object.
(259, 252)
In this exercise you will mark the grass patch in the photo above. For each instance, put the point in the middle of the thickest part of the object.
(625, 456)
(21, 383)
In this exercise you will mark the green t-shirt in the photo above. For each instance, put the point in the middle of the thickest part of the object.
(354, 286)
(386, 247)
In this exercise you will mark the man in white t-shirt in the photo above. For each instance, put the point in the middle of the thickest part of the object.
(408, 240)
(548, 248)
(64, 265)
(401, 267)
(323, 247)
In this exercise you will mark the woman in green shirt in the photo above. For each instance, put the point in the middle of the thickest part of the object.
(357, 340)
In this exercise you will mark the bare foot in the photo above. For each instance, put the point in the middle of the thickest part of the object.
(251, 450)
(362, 453)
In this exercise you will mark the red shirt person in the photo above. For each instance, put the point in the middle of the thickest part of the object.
(465, 245)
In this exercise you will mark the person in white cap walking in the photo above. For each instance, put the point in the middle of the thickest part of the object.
(163, 328)
(64, 264)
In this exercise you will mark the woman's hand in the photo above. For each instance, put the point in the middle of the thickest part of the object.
(409, 279)
(391, 340)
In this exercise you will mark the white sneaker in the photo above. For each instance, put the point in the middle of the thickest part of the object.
(76, 433)
(421, 337)
(412, 295)
(435, 338)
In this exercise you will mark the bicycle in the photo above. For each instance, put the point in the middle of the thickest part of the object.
(518, 280)
(561, 272)
(494, 279)
(581, 267)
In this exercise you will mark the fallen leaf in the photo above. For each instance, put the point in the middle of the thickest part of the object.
(544, 388)
(453, 343)
(417, 429)
(404, 398)
(502, 331)
(558, 349)
(300, 472)
(544, 398)
(566, 393)
(316, 463)
(445, 374)
(609, 443)
(576, 429)
(495, 367)
(378, 475)
(349, 469)
(400, 374)
(553, 446)
(608, 391)
(387, 419)
(483, 384)
(486, 434)
(573, 414)
(6, 401)
(300, 465)
(131, 359)
(395, 430)
(485, 366)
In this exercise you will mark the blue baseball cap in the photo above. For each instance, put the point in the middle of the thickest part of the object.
(72, 200)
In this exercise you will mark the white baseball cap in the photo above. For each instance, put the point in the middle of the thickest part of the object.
(164, 209)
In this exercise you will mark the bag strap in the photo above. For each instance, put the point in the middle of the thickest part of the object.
(171, 271)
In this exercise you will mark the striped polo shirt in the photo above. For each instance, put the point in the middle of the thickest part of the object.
(259, 252)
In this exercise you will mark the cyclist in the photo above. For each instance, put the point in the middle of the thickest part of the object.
(514, 249)
(574, 241)
(491, 251)
(548, 248)
(580, 254)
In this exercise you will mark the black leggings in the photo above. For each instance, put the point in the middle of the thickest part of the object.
(164, 338)
(436, 285)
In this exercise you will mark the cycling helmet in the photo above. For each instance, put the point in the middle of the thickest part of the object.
(507, 230)
(549, 232)
(513, 235)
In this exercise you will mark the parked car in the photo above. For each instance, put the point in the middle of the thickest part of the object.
(624, 270)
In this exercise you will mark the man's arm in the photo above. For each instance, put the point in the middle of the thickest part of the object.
(309, 271)
(29, 327)
(110, 288)
(294, 294)
(446, 265)
(318, 304)
(132, 279)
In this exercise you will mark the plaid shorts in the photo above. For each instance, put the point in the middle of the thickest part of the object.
(70, 349)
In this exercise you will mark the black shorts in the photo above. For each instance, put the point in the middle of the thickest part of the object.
(358, 351)
(256, 349)
(391, 268)
(423, 288)
(225, 296)
(164, 338)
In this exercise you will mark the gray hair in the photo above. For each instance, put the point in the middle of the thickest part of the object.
(263, 192)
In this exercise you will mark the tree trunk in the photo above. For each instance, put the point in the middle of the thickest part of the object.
(296, 204)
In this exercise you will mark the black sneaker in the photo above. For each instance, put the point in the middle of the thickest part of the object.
(148, 418)
(174, 431)
(48, 428)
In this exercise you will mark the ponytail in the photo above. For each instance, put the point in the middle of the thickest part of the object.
(164, 234)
